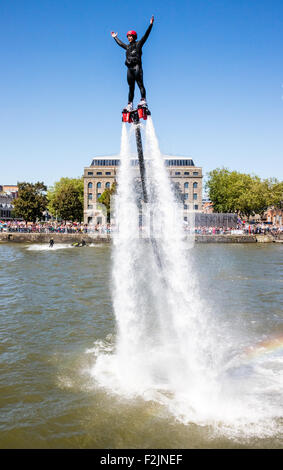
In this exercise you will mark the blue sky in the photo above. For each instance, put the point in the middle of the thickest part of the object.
(213, 71)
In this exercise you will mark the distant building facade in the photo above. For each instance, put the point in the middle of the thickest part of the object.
(102, 173)
(7, 195)
(6, 206)
(273, 216)
(207, 205)
(10, 189)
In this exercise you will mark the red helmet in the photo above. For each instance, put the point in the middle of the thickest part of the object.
(132, 33)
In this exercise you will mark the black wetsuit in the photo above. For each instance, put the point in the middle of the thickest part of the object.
(134, 64)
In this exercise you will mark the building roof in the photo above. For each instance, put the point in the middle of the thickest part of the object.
(114, 160)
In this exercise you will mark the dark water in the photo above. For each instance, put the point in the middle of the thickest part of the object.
(55, 304)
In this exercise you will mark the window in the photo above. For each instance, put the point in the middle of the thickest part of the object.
(108, 173)
(195, 185)
(89, 185)
(89, 196)
(105, 162)
(98, 195)
(98, 185)
(107, 185)
(186, 173)
(90, 206)
(185, 207)
(177, 173)
(186, 219)
(195, 173)
(186, 185)
(186, 196)
(90, 173)
(179, 163)
(99, 172)
(195, 207)
(195, 196)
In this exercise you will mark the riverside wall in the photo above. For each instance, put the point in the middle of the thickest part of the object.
(68, 238)
(17, 237)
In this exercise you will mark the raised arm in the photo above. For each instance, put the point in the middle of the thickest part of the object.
(119, 42)
(145, 36)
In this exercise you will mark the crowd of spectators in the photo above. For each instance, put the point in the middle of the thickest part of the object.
(240, 229)
(69, 227)
(211, 230)
(52, 227)
(263, 229)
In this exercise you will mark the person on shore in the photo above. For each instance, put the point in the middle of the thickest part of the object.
(134, 63)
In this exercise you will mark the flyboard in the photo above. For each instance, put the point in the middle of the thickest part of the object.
(134, 117)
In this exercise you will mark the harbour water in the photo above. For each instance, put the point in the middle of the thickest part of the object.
(57, 319)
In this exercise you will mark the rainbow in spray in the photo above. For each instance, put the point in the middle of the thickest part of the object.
(268, 346)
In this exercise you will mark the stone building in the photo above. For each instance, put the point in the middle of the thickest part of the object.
(6, 206)
(11, 189)
(102, 173)
(8, 192)
(274, 216)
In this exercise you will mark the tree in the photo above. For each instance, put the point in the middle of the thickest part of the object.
(66, 199)
(105, 198)
(231, 191)
(31, 201)
(277, 193)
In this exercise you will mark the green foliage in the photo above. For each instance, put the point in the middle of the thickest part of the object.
(231, 191)
(66, 199)
(106, 197)
(277, 193)
(31, 201)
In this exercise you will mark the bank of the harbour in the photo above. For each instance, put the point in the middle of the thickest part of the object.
(18, 237)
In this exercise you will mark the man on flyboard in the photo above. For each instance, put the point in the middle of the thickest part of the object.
(134, 63)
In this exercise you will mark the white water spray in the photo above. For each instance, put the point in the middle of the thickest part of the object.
(160, 341)
(168, 346)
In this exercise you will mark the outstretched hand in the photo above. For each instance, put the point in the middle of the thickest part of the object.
(152, 19)
(113, 34)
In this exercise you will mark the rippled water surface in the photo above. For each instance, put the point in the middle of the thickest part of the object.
(56, 312)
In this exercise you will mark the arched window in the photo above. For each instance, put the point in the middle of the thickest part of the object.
(98, 185)
(98, 195)
(89, 185)
(195, 185)
(186, 185)
(107, 185)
